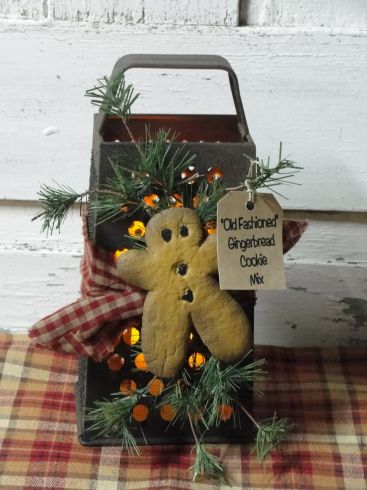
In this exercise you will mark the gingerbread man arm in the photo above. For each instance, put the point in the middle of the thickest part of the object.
(134, 266)
(206, 256)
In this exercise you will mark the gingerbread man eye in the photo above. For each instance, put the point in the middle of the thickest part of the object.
(166, 234)
(184, 231)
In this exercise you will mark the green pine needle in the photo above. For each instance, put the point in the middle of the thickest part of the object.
(186, 399)
(206, 465)
(265, 176)
(270, 434)
(208, 197)
(56, 203)
(162, 162)
(112, 418)
(219, 384)
(113, 96)
(119, 191)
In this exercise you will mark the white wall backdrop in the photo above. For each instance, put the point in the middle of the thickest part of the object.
(302, 68)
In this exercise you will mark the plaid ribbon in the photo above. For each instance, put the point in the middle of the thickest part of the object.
(90, 326)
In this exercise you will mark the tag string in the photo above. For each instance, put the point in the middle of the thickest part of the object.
(248, 184)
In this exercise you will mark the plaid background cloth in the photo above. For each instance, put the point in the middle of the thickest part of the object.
(323, 390)
(89, 326)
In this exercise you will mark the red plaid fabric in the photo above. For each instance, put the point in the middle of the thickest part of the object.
(323, 391)
(89, 326)
(292, 232)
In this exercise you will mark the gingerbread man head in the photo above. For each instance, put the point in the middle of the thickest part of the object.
(177, 270)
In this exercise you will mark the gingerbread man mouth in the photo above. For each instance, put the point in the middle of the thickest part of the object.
(174, 250)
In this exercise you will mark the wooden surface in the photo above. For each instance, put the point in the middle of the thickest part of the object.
(307, 88)
(325, 302)
(302, 68)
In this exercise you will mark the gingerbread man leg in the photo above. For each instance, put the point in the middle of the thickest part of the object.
(165, 334)
(221, 323)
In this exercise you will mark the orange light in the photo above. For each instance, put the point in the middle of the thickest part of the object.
(115, 362)
(117, 254)
(210, 227)
(167, 412)
(140, 362)
(195, 202)
(225, 412)
(124, 209)
(152, 200)
(189, 175)
(156, 387)
(213, 173)
(137, 228)
(196, 360)
(140, 412)
(127, 386)
(130, 335)
(176, 200)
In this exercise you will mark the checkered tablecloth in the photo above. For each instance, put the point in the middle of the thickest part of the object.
(324, 391)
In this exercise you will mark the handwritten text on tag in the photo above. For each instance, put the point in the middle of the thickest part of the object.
(250, 247)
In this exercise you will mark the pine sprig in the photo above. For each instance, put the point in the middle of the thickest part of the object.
(270, 434)
(119, 192)
(208, 196)
(56, 203)
(162, 162)
(113, 96)
(219, 384)
(111, 417)
(261, 174)
(207, 465)
(186, 399)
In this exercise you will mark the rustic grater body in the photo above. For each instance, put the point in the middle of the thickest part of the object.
(216, 140)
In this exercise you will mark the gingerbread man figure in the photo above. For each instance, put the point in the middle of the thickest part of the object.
(177, 270)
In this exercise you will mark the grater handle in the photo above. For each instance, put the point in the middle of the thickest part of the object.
(187, 62)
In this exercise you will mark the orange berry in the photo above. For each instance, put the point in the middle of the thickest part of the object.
(152, 200)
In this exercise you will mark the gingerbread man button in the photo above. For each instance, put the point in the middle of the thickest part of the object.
(177, 269)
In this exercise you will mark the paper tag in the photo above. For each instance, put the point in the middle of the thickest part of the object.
(250, 243)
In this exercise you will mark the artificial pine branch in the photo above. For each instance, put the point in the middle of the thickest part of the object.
(113, 96)
(270, 434)
(119, 193)
(262, 175)
(207, 199)
(206, 465)
(162, 163)
(56, 203)
(220, 383)
(111, 417)
(186, 399)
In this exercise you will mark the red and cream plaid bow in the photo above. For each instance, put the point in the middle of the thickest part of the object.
(90, 326)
